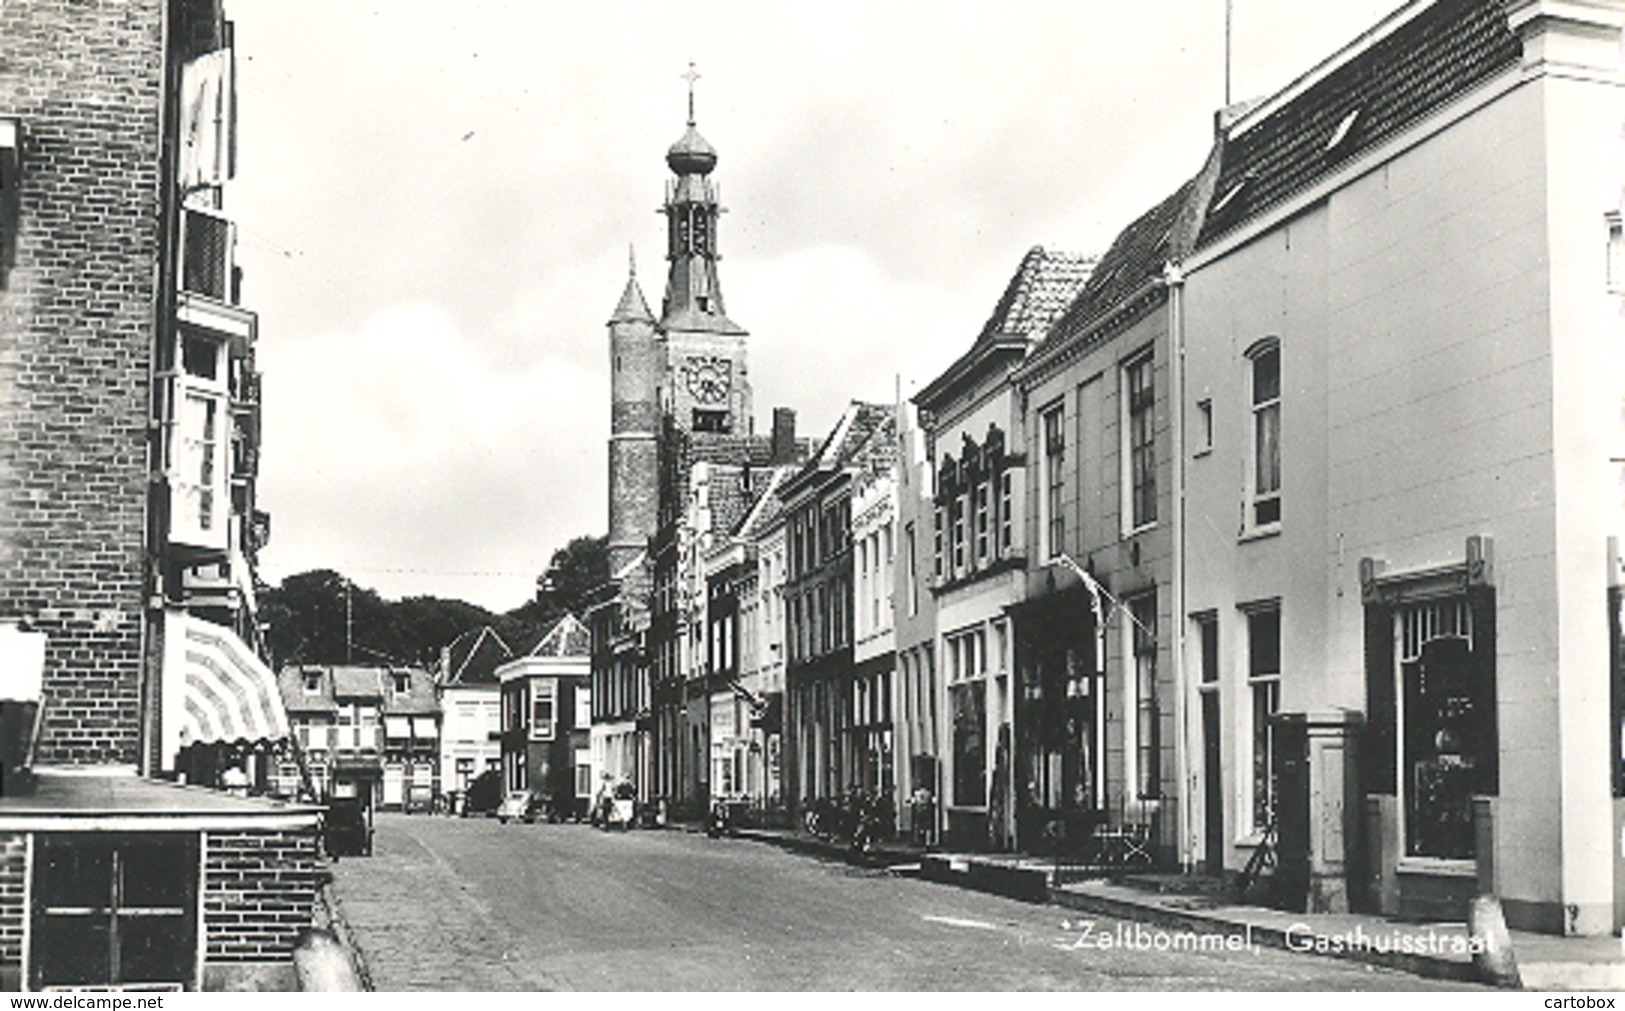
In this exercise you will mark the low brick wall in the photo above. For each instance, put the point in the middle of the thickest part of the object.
(259, 893)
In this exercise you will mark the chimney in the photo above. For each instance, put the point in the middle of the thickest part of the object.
(784, 435)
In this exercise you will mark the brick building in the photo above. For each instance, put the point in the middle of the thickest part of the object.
(367, 732)
(128, 523)
(547, 719)
(832, 709)
(680, 397)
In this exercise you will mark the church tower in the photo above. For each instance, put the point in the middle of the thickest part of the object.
(635, 367)
(705, 386)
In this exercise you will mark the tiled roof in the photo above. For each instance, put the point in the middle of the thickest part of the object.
(1443, 51)
(357, 683)
(569, 637)
(1042, 287)
(418, 700)
(473, 657)
(1136, 256)
(292, 682)
(768, 506)
(366, 684)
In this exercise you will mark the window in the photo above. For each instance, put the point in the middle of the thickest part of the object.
(1147, 707)
(1204, 427)
(1139, 437)
(1264, 689)
(403, 683)
(1447, 725)
(957, 515)
(967, 691)
(1007, 512)
(1616, 253)
(313, 682)
(113, 910)
(913, 571)
(936, 520)
(982, 522)
(1264, 479)
(541, 726)
(198, 461)
(1054, 524)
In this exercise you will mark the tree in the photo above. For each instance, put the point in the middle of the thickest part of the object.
(323, 617)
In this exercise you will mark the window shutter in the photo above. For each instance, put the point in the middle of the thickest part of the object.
(1377, 758)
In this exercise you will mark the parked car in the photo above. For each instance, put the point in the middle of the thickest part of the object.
(527, 806)
(347, 828)
(484, 794)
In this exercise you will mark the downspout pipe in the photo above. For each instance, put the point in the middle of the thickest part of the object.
(1174, 278)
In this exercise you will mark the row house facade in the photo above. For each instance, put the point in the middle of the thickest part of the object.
(1401, 318)
(547, 719)
(1319, 477)
(998, 763)
(372, 733)
(621, 739)
(680, 418)
(833, 716)
(129, 521)
(471, 707)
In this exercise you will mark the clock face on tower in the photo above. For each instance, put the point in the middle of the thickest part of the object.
(708, 378)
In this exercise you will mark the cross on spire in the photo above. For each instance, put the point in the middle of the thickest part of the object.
(692, 76)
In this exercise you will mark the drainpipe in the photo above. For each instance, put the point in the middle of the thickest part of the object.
(1174, 277)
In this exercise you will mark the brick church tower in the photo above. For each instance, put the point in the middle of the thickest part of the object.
(687, 369)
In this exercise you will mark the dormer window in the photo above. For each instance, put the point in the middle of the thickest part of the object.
(403, 683)
(313, 682)
(1338, 142)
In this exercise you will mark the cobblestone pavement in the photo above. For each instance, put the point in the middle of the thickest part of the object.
(454, 904)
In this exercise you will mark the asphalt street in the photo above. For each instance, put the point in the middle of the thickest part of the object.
(454, 904)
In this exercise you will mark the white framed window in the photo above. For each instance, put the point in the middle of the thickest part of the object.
(1142, 634)
(1203, 441)
(1264, 701)
(1053, 521)
(957, 517)
(1263, 499)
(1007, 513)
(979, 506)
(936, 521)
(1139, 442)
(542, 709)
(199, 444)
(1616, 253)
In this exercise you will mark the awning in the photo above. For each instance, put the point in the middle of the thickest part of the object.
(423, 727)
(215, 688)
(398, 727)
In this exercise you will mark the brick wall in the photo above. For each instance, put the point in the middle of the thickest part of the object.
(77, 317)
(259, 892)
(13, 869)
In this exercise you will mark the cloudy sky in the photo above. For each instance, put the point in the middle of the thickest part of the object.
(436, 201)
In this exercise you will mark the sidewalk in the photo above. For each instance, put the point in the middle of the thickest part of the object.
(1434, 950)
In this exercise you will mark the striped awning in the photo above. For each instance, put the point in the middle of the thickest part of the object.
(215, 688)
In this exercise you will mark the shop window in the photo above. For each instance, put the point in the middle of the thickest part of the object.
(1446, 727)
(114, 910)
(970, 750)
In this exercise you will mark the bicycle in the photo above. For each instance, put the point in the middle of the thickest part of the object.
(1263, 859)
